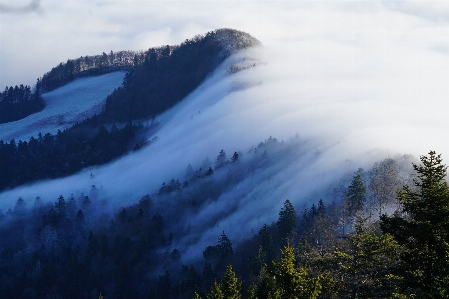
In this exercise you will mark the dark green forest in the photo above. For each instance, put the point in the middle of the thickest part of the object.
(379, 233)
(169, 74)
(338, 247)
(18, 102)
(67, 152)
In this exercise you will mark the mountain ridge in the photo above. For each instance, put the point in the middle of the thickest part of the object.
(166, 76)
(230, 40)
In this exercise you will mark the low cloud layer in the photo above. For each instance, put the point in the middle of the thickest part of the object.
(357, 81)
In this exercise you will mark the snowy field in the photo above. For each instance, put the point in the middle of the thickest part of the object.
(65, 106)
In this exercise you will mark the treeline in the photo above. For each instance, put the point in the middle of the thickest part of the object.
(59, 256)
(193, 60)
(158, 79)
(168, 74)
(403, 255)
(338, 250)
(52, 156)
(18, 102)
(75, 248)
(90, 66)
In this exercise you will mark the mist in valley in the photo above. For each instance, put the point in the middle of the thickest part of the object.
(339, 87)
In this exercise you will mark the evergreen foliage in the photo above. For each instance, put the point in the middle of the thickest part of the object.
(365, 262)
(53, 156)
(291, 282)
(19, 102)
(148, 88)
(71, 248)
(221, 160)
(423, 231)
(356, 197)
(287, 220)
(216, 292)
(89, 66)
(230, 284)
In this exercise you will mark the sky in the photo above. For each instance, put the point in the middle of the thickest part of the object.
(359, 81)
(388, 32)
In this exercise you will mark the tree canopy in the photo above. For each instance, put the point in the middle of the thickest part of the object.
(423, 230)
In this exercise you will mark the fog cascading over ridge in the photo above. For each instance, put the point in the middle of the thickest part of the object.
(354, 98)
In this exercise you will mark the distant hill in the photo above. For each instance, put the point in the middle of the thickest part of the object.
(170, 73)
(157, 78)
(223, 42)
(166, 75)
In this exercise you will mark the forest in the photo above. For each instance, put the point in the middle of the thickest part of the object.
(67, 152)
(95, 65)
(147, 91)
(364, 241)
(376, 233)
(18, 102)
(169, 74)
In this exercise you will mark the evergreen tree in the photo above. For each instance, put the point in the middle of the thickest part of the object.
(215, 292)
(356, 197)
(266, 288)
(20, 207)
(164, 286)
(224, 246)
(287, 220)
(266, 241)
(221, 160)
(291, 282)
(423, 231)
(230, 285)
(363, 263)
(229, 288)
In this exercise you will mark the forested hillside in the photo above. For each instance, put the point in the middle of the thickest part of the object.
(168, 74)
(19, 102)
(242, 224)
(337, 247)
(67, 152)
(157, 79)
(90, 66)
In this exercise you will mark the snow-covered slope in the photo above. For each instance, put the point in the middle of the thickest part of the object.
(65, 106)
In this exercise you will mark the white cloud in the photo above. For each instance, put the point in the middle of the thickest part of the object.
(358, 80)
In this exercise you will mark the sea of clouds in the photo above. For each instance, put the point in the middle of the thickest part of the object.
(358, 81)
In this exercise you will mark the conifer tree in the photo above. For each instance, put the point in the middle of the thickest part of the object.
(287, 220)
(423, 231)
(224, 246)
(291, 282)
(230, 285)
(221, 160)
(356, 197)
(364, 262)
(215, 292)
(266, 288)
